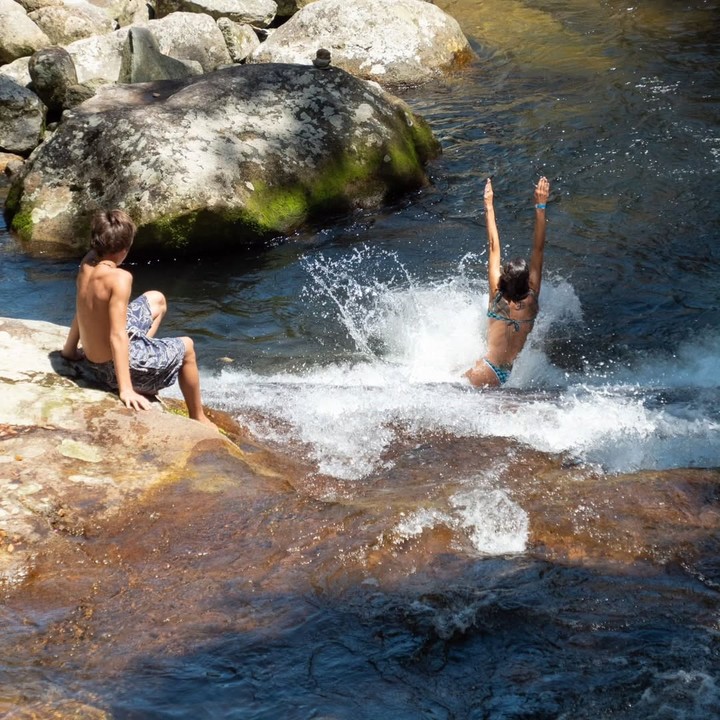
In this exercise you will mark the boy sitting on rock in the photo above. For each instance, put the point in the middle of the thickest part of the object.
(118, 336)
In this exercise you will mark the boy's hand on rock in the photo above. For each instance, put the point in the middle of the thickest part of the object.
(135, 400)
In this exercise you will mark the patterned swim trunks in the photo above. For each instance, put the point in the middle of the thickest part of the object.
(154, 362)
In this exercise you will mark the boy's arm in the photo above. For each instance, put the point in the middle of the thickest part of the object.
(542, 190)
(70, 349)
(120, 343)
(493, 241)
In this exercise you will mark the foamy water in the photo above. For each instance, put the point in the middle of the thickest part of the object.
(413, 341)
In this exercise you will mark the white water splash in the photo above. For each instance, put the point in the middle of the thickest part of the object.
(414, 340)
(494, 523)
(485, 515)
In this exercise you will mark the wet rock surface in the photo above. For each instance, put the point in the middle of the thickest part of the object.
(22, 118)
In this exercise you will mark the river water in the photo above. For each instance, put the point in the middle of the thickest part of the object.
(420, 567)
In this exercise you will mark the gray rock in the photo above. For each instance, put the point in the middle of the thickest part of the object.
(52, 71)
(81, 92)
(10, 6)
(22, 118)
(186, 36)
(10, 166)
(254, 12)
(240, 38)
(220, 161)
(124, 12)
(191, 36)
(98, 57)
(20, 36)
(143, 62)
(395, 42)
(287, 8)
(65, 24)
(17, 70)
(32, 5)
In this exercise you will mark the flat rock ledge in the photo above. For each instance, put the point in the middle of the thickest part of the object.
(72, 455)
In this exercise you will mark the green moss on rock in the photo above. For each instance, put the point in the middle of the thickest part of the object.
(276, 209)
(22, 224)
(352, 179)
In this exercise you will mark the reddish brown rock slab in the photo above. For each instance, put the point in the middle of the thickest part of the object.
(72, 455)
(651, 516)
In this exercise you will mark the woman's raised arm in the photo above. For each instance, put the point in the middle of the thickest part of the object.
(493, 241)
(542, 191)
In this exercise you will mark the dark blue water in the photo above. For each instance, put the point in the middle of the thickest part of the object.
(346, 344)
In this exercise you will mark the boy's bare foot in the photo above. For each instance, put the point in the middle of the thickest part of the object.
(205, 420)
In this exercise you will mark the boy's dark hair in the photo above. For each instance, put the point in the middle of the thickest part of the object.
(514, 283)
(111, 231)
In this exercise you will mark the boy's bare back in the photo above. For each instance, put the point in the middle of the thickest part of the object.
(103, 293)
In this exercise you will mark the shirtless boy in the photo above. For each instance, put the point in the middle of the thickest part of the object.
(118, 336)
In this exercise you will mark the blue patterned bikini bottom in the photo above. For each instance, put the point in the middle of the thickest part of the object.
(502, 372)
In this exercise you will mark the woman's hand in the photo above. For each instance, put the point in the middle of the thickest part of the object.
(542, 191)
(488, 192)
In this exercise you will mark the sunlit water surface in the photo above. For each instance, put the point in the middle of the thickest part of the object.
(345, 345)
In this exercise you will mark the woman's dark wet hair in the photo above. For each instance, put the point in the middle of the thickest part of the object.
(514, 284)
(111, 231)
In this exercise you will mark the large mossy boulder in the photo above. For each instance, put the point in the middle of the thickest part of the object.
(220, 161)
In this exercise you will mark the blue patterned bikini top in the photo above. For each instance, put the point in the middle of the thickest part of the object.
(497, 313)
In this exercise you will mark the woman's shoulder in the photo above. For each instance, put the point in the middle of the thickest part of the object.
(532, 297)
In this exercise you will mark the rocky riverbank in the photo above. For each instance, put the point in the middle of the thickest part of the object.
(72, 456)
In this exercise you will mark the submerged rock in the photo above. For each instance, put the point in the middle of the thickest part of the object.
(220, 161)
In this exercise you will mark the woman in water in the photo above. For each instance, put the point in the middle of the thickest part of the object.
(514, 290)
